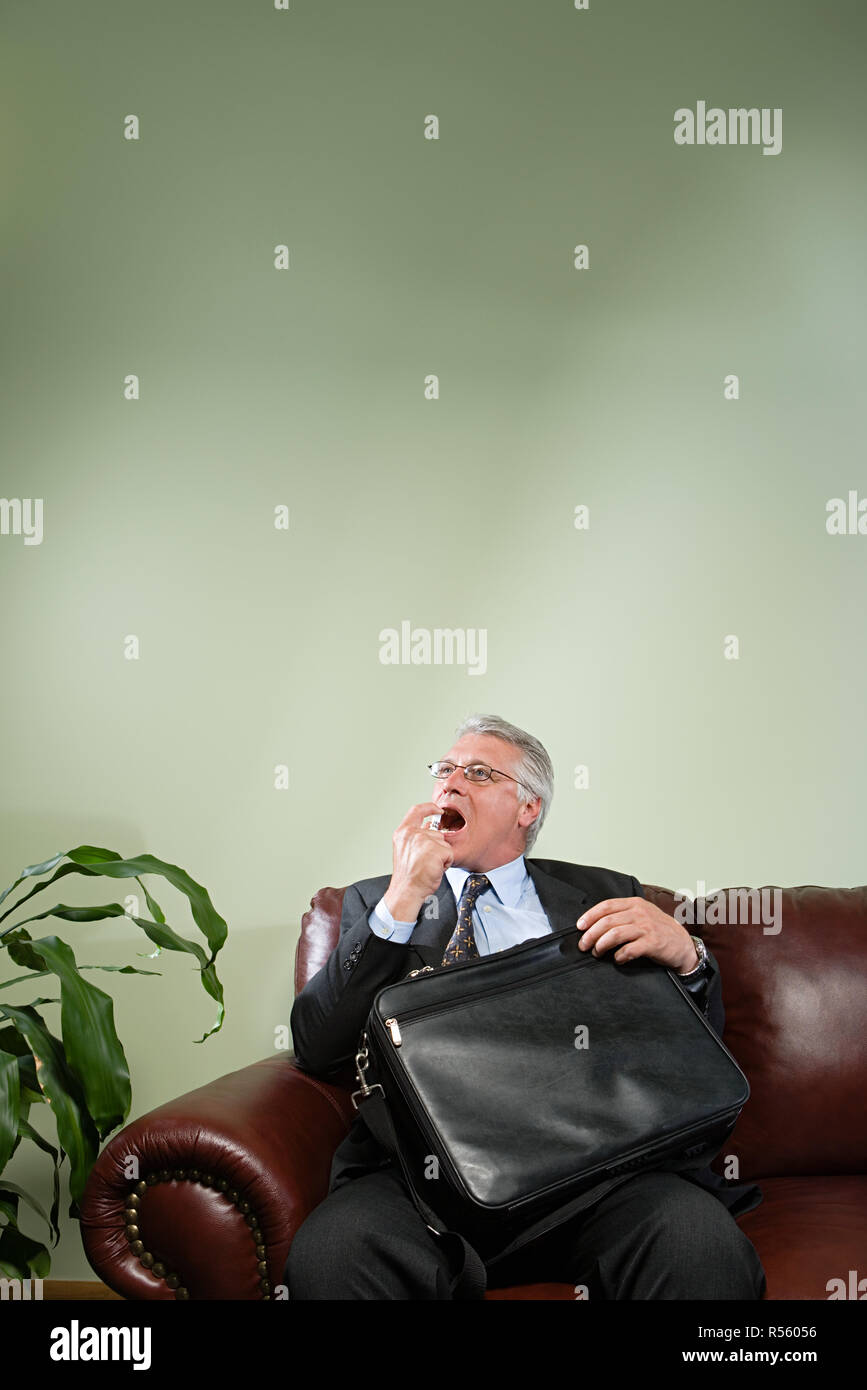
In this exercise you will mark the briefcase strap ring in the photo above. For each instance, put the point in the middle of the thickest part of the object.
(362, 1062)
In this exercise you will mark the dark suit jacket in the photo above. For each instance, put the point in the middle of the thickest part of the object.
(329, 1014)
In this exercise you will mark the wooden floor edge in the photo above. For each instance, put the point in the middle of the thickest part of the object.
(60, 1289)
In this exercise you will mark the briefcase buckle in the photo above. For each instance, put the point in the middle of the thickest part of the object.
(362, 1062)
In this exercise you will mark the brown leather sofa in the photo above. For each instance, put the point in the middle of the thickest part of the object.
(228, 1172)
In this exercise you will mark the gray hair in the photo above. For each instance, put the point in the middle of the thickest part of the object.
(534, 769)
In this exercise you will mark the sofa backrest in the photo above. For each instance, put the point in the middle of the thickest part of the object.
(794, 968)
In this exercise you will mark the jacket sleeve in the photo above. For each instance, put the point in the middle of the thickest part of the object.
(329, 1014)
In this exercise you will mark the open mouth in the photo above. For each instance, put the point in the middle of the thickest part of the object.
(451, 820)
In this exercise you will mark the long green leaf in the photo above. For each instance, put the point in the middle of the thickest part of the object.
(17, 979)
(153, 906)
(205, 915)
(17, 943)
(29, 872)
(160, 934)
(165, 936)
(90, 1039)
(75, 1128)
(78, 914)
(90, 859)
(21, 1257)
(120, 969)
(10, 1106)
(61, 873)
(155, 909)
(12, 1041)
(215, 989)
(26, 1130)
(15, 1190)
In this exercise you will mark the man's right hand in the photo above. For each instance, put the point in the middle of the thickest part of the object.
(421, 857)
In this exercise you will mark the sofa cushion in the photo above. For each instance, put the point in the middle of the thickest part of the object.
(808, 1232)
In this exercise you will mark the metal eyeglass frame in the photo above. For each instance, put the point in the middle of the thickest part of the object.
(465, 767)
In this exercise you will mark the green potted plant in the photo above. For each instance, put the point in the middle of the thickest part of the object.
(83, 1074)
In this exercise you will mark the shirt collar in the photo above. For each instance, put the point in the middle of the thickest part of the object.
(507, 881)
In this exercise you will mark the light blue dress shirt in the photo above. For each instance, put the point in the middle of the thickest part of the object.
(505, 914)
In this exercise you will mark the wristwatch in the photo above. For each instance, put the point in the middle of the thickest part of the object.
(701, 952)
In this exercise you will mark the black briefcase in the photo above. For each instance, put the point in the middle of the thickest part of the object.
(513, 1087)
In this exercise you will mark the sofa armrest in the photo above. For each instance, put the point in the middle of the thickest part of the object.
(221, 1178)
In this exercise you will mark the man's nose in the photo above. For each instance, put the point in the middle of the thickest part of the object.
(454, 782)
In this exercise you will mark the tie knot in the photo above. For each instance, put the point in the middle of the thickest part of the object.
(475, 884)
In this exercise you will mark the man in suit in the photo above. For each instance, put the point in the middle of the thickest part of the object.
(461, 887)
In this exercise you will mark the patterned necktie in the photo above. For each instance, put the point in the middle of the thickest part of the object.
(462, 945)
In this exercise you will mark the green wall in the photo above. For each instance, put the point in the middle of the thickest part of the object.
(305, 388)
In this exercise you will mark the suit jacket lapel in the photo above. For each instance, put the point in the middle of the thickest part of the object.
(563, 904)
(433, 931)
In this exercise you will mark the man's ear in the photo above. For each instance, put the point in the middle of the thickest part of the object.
(530, 811)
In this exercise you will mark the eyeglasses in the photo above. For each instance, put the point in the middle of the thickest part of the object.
(474, 772)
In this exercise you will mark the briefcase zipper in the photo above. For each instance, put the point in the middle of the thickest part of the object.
(431, 1010)
(473, 964)
(391, 1023)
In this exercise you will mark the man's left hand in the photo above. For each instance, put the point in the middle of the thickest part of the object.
(636, 928)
